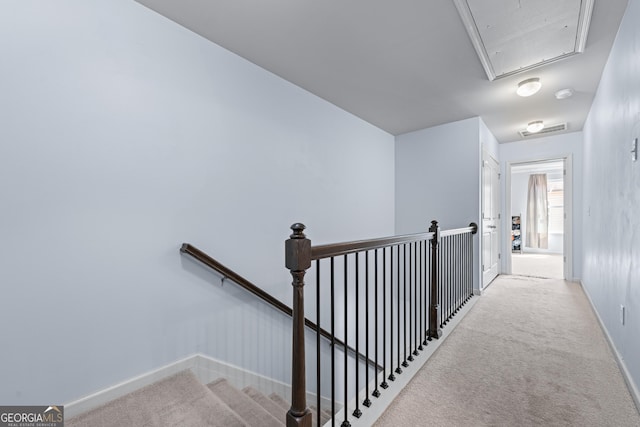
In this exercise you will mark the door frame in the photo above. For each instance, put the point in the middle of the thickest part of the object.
(498, 229)
(567, 240)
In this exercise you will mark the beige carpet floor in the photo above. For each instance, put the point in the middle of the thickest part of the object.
(530, 353)
(538, 265)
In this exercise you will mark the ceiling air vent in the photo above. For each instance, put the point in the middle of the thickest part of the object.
(547, 129)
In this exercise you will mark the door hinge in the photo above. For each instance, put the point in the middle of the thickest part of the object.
(564, 172)
(499, 175)
(498, 216)
(499, 256)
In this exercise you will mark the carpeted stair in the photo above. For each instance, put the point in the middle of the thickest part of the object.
(181, 400)
(248, 409)
(283, 404)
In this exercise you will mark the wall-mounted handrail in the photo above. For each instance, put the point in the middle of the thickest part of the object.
(236, 278)
(226, 272)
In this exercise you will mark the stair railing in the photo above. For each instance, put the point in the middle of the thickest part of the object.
(413, 285)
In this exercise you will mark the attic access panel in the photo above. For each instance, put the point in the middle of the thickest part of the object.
(512, 36)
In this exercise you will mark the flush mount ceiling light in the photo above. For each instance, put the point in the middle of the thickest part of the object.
(564, 93)
(535, 126)
(529, 87)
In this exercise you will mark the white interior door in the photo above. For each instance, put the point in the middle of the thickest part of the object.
(490, 218)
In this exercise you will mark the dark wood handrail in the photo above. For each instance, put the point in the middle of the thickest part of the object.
(472, 228)
(226, 272)
(344, 248)
(235, 277)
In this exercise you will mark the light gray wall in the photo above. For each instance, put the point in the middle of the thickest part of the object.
(550, 147)
(124, 135)
(438, 177)
(488, 141)
(612, 194)
(437, 171)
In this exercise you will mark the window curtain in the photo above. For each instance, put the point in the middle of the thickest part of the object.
(537, 212)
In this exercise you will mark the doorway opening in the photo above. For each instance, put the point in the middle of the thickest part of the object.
(538, 214)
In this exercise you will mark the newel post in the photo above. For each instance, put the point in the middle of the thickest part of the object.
(298, 260)
(434, 308)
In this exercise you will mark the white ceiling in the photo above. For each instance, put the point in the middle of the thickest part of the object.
(402, 65)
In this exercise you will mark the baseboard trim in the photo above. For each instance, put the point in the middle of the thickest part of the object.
(108, 394)
(370, 415)
(631, 385)
(205, 368)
